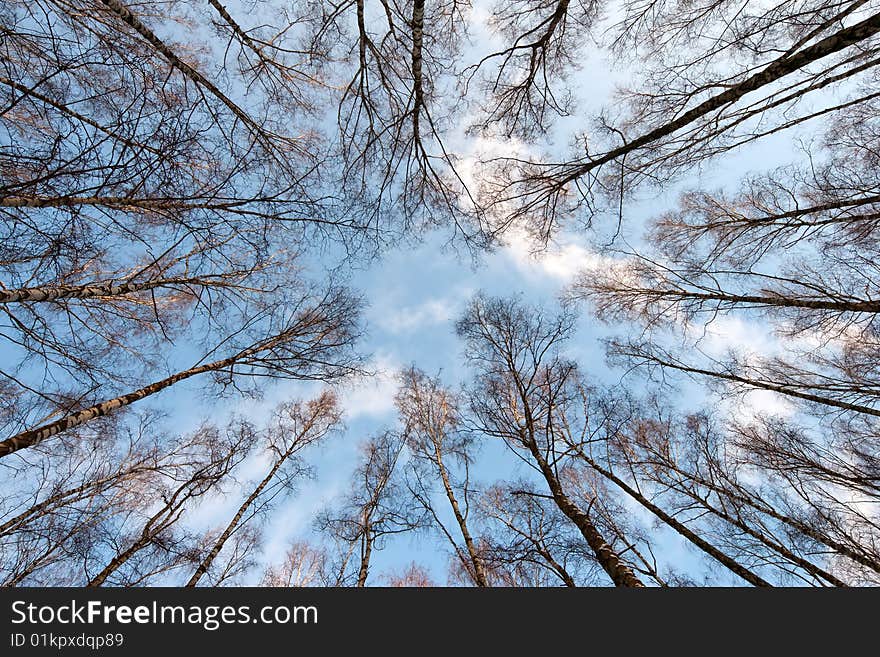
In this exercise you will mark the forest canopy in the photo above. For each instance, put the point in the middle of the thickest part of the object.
(413, 293)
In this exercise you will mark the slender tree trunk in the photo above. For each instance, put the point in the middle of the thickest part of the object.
(364, 569)
(781, 389)
(236, 519)
(34, 436)
(122, 202)
(119, 560)
(163, 518)
(773, 72)
(842, 204)
(855, 306)
(236, 28)
(619, 572)
(91, 290)
(477, 563)
(682, 529)
(417, 23)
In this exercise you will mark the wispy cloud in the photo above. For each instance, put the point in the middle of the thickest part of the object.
(412, 318)
(560, 261)
(372, 396)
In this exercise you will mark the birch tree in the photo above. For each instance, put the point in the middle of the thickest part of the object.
(374, 509)
(430, 416)
(295, 426)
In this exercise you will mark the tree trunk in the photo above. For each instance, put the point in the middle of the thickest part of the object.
(477, 563)
(620, 573)
(364, 569)
(91, 290)
(34, 436)
(162, 519)
(118, 561)
(417, 23)
(746, 221)
(236, 519)
(856, 306)
(781, 389)
(122, 202)
(682, 529)
(557, 567)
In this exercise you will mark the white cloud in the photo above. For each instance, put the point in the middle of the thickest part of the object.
(749, 340)
(371, 396)
(755, 403)
(411, 318)
(830, 336)
(728, 332)
(561, 261)
(486, 148)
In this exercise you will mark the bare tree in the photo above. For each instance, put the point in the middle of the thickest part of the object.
(679, 117)
(315, 342)
(541, 42)
(528, 540)
(295, 426)
(430, 417)
(414, 576)
(375, 508)
(521, 380)
(113, 502)
(303, 565)
(395, 62)
(688, 462)
(78, 493)
(222, 451)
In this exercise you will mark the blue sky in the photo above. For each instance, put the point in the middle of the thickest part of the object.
(415, 294)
